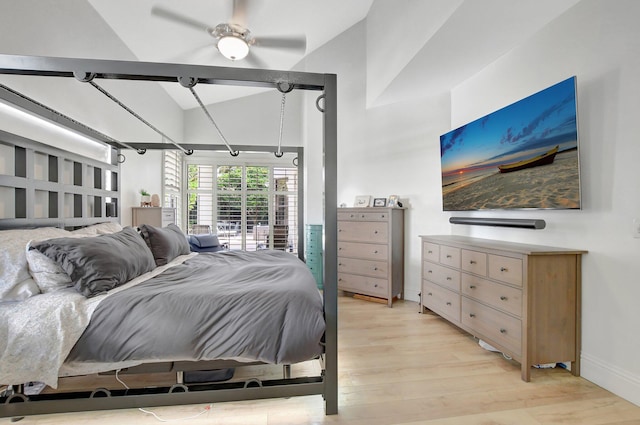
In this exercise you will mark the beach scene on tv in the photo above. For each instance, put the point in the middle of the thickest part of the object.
(523, 156)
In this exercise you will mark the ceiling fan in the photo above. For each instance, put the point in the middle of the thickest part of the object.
(233, 39)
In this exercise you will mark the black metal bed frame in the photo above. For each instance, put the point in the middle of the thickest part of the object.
(326, 384)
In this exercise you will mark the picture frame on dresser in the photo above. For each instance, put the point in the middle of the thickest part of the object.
(380, 202)
(362, 201)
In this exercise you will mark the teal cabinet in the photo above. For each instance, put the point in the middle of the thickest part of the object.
(313, 252)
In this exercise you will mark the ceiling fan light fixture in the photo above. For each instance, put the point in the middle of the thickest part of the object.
(233, 47)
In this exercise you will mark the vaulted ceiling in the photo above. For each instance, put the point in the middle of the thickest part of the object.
(437, 42)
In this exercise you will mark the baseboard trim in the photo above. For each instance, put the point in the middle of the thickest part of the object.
(612, 378)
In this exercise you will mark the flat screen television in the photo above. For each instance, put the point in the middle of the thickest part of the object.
(523, 156)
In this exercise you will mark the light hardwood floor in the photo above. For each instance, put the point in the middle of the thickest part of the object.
(400, 367)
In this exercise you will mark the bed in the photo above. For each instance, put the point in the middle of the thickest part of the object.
(111, 300)
(94, 305)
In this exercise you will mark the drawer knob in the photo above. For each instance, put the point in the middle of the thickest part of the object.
(448, 303)
(430, 294)
(472, 315)
(339, 264)
(339, 249)
(429, 271)
(375, 232)
(340, 279)
(375, 268)
(503, 331)
(448, 255)
(362, 215)
(472, 286)
(352, 216)
(448, 277)
(503, 269)
(375, 252)
(503, 298)
(472, 262)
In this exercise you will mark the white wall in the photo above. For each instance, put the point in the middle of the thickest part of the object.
(395, 149)
(598, 42)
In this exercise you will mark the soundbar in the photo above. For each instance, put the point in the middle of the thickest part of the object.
(523, 223)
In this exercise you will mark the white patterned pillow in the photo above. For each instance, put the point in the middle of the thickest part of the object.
(16, 283)
(47, 274)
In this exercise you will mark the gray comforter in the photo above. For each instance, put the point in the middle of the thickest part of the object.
(248, 306)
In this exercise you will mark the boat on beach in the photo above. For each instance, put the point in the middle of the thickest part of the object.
(544, 159)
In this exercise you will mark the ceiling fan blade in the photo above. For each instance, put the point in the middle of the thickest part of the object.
(255, 62)
(239, 14)
(297, 43)
(180, 19)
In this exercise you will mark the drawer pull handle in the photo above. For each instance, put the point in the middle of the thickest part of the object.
(430, 252)
(472, 286)
(375, 268)
(429, 271)
(362, 215)
(448, 303)
(472, 262)
(375, 233)
(448, 277)
(375, 252)
(375, 286)
(430, 294)
(339, 249)
(382, 215)
(472, 315)
(339, 264)
(352, 216)
(503, 331)
(448, 255)
(340, 280)
(504, 269)
(503, 298)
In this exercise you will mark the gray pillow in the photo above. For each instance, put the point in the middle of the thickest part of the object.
(98, 264)
(165, 243)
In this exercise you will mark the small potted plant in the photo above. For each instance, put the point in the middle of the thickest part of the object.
(145, 197)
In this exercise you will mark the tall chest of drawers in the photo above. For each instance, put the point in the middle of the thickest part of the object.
(371, 252)
(522, 299)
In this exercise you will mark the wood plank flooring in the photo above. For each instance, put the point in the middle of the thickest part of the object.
(400, 367)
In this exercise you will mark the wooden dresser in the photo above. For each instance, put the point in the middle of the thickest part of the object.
(153, 216)
(522, 299)
(371, 252)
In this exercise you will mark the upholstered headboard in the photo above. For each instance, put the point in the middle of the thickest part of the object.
(42, 185)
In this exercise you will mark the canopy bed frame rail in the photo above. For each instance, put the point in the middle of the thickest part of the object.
(89, 69)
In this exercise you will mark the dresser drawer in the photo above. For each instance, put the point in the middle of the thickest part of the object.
(365, 251)
(365, 267)
(502, 297)
(474, 262)
(505, 269)
(494, 325)
(441, 275)
(450, 256)
(431, 252)
(363, 216)
(374, 232)
(440, 300)
(363, 285)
